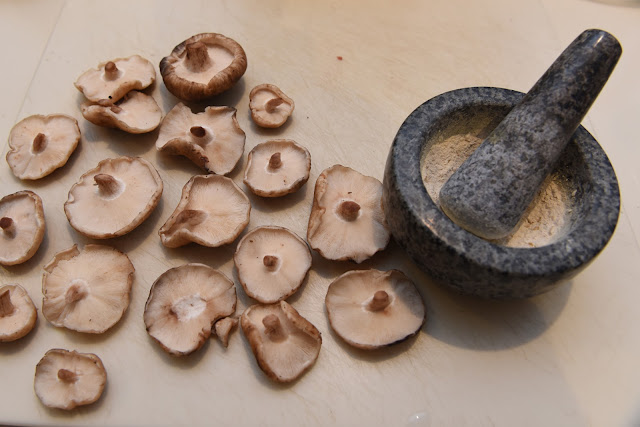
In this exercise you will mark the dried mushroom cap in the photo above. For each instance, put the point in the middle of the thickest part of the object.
(203, 66)
(87, 291)
(371, 309)
(277, 167)
(66, 379)
(114, 198)
(272, 262)
(212, 211)
(39, 144)
(270, 107)
(183, 305)
(212, 139)
(223, 328)
(284, 343)
(21, 226)
(347, 220)
(115, 78)
(17, 313)
(135, 113)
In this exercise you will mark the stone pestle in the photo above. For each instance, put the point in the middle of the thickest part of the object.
(489, 193)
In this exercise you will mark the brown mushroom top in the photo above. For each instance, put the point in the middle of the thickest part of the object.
(135, 113)
(272, 262)
(371, 308)
(39, 144)
(212, 139)
(277, 167)
(66, 379)
(21, 226)
(202, 66)
(114, 198)
(17, 313)
(87, 291)
(347, 220)
(285, 344)
(270, 107)
(212, 212)
(183, 305)
(113, 79)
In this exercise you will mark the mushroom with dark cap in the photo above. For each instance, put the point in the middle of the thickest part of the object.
(135, 113)
(371, 308)
(17, 313)
(39, 144)
(212, 139)
(114, 198)
(202, 66)
(184, 303)
(347, 220)
(272, 262)
(87, 291)
(277, 167)
(212, 212)
(21, 226)
(270, 107)
(66, 379)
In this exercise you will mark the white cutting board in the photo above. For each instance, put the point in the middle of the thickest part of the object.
(475, 362)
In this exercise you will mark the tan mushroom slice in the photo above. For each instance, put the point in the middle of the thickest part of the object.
(39, 144)
(66, 379)
(212, 139)
(371, 309)
(212, 212)
(17, 313)
(223, 328)
(284, 343)
(277, 167)
(270, 107)
(21, 226)
(113, 79)
(135, 113)
(183, 305)
(114, 198)
(347, 220)
(87, 291)
(272, 262)
(203, 66)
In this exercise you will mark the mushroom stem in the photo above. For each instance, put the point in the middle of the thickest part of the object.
(106, 183)
(348, 210)
(8, 225)
(190, 217)
(197, 59)
(273, 328)
(275, 161)
(75, 293)
(380, 301)
(6, 307)
(111, 70)
(39, 143)
(115, 109)
(67, 376)
(270, 262)
(198, 131)
(272, 104)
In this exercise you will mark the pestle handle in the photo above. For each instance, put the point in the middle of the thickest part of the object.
(489, 193)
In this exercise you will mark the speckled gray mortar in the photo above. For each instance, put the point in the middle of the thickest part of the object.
(470, 264)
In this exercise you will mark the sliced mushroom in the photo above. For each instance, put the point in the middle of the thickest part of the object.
(21, 226)
(272, 262)
(115, 78)
(135, 113)
(66, 379)
(212, 139)
(277, 167)
(39, 144)
(371, 308)
(87, 291)
(223, 328)
(270, 107)
(17, 313)
(212, 212)
(203, 66)
(114, 198)
(284, 343)
(347, 220)
(183, 305)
